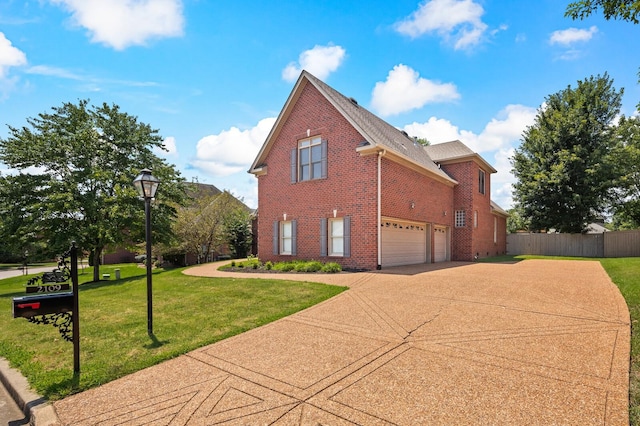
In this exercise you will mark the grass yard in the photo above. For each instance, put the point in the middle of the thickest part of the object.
(625, 273)
(188, 313)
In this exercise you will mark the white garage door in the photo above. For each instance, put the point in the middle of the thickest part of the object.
(403, 243)
(439, 244)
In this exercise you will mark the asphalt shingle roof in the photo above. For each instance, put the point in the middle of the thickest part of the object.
(448, 150)
(377, 131)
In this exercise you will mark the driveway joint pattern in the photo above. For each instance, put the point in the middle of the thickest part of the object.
(537, 342)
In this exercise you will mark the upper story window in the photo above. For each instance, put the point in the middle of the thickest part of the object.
(481, 176)
(309, 160)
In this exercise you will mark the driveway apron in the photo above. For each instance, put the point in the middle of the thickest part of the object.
(535, 342)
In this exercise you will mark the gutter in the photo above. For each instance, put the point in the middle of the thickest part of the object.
(380, 155)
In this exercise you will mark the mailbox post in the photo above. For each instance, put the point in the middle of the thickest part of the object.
(76, 311)
(50, 306)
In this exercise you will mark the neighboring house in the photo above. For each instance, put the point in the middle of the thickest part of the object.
(194, 190)
(596, 228)
(337, 183)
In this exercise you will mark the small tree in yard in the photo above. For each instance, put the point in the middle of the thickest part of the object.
(76, 167)
(201, 225)
(238, 229)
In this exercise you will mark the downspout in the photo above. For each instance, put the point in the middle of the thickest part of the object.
(380, 155)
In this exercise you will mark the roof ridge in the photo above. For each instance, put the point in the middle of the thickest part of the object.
(380, 132)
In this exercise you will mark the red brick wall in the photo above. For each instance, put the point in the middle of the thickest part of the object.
(351, 189)
(119, 256)
(470, 240)
(401, 186)
(350, 186)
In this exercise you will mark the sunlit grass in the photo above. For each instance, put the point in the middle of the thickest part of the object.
(188, 313)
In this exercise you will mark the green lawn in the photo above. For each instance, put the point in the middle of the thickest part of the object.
(188, 313)
(625, 273)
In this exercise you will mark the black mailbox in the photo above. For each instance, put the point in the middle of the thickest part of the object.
(28, 306)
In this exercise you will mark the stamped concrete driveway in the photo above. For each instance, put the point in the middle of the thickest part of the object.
(536, 342)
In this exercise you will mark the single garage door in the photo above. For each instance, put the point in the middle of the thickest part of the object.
(439, 244)
(403, 243)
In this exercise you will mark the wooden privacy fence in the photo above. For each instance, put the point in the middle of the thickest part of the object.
(607, 244)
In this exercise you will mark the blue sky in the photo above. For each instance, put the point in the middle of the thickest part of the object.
(212, 76)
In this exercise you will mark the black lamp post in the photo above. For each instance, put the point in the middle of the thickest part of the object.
(147, 185)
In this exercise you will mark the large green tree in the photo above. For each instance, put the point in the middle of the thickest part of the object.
(626, 158)
(626, 10)
(76, 166)
(563, 166)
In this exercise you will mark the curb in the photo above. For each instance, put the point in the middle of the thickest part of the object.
(39, 411)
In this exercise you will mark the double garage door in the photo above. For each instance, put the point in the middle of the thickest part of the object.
(406, 243)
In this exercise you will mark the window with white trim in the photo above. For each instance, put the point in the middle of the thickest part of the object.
(286, 237)
(310, 159)
(460, 219)
(336, 237)
(475, 218)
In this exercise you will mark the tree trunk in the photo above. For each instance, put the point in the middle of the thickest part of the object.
(96, 263)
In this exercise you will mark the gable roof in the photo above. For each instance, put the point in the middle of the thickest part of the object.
(379, 135)
(199, 190)
(455, 152)
(496, 209)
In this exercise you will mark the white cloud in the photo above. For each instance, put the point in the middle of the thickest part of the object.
(53, 72)
(171, 149)
(123, 23)
(501, 132)
(10, 56)
(231, 151)
(319, 61)
(572, 35)
(404, 90)
(502, 181)
(457, 21)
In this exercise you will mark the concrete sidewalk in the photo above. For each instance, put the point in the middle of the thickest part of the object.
(536, 342)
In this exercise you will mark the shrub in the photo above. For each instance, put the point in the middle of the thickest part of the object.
(233, 263)
(331, 268)
(311, 266)
(268, 266)
(253, 262)
(284, 266)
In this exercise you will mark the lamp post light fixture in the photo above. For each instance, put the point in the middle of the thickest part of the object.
(146, 184)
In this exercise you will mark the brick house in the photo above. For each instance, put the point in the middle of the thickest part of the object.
(337, 183)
